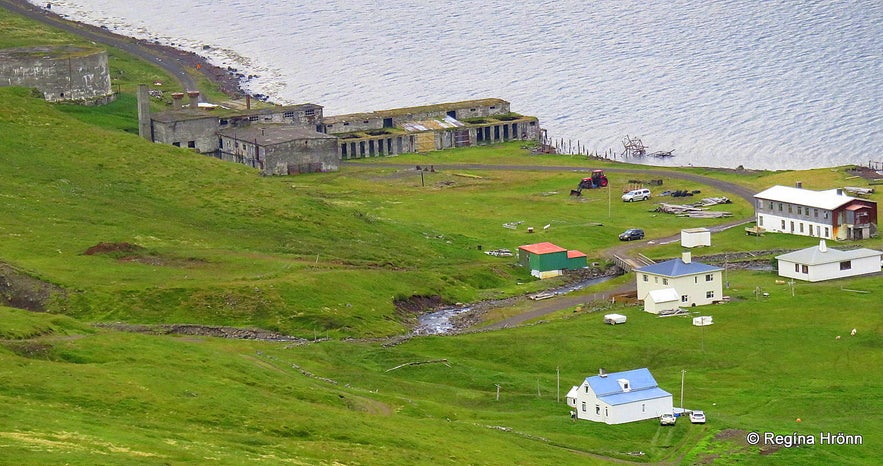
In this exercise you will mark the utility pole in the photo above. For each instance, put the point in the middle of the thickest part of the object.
(558, 379)
(683, 372)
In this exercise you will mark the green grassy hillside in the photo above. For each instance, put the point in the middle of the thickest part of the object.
(119, 231)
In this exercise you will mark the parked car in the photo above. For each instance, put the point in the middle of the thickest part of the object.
(697, 417)
(667, 419)
(636, 195)
(631, 234)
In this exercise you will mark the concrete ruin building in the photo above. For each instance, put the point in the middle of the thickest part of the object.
(300, 139)
(61, 73)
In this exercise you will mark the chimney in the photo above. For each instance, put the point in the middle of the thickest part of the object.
(177, 100)
(686, 257)
(144, 112)
(247, 102)
(839, 192)
(601, 373)
(823, 247)
(194, 98)
(799, 184)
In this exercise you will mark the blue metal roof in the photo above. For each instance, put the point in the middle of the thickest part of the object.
(638, 379)
(677, 268)
(642, 386)
(632, 396)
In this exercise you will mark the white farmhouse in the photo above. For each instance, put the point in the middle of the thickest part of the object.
(818, 263)
(824, 214)
(619, 397)
(696, 283)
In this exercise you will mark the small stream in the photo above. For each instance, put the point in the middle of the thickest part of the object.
(439, 322)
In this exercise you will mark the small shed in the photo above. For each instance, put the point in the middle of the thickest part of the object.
(547, 260)
(666, 299)
(694, 237)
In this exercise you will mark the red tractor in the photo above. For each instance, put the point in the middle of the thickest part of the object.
(597, 180)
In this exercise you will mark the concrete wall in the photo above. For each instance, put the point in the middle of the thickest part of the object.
(199, 134)
(63, 73)
(302, 156)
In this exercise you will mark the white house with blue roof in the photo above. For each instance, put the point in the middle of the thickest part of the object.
(696, 283)
(619, 397)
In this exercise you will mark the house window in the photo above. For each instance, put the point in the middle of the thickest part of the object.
(797, 267)
(760, 220)
(780, 207)
(584, 406)
(709, 277)
(815, 213)
(783, 224)
(598, 409)
(826, 214)
(799, 210)
(223, 121)
(684, 299)
(826, 232)
(191, 144)
(665, 281)
(288, 115)
(771, 205)
(253, 118)
(176, 144)
(309, 112)
(655, 279)
(789, 208)
(805, 268)
(709, 294)
(221, 143)
(643, 408)
(646, 278)
(587, 389)
(759, 204)
(846, 265)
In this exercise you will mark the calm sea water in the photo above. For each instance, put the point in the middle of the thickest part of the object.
(771, 84)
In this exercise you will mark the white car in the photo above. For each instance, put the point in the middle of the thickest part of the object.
(636, 195)
(667, 419)
(697, 417)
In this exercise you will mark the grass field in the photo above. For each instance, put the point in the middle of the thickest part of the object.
(323, 257)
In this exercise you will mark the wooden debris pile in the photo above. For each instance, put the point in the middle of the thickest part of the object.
(696, 209)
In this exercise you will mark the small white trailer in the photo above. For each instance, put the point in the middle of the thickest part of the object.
(614, 319)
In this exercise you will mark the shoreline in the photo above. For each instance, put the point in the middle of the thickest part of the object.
(228, 80)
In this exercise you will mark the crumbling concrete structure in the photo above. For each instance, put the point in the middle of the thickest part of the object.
(61, 73)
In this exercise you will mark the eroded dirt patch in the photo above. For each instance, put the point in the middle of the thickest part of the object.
(21, 290)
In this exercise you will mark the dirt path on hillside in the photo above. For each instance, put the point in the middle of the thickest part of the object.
(180, 64)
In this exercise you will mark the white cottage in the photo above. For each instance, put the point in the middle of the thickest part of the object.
(819, 263)
(619, 397)
(658, 301)
(696, 283)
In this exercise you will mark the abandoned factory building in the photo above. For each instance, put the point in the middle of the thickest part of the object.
(294, 139)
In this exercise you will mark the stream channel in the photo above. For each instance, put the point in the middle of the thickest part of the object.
(439, 322)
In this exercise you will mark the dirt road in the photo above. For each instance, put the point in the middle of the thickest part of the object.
(177, 63)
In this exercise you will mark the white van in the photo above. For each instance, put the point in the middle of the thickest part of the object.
(636, 195)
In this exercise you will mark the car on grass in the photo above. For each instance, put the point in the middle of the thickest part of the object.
(697, 417)
(636, 195)
(667, 419)
(631, 234)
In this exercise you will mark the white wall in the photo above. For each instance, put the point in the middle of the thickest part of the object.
(773, 223)
(695, 287)
(822, 272)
